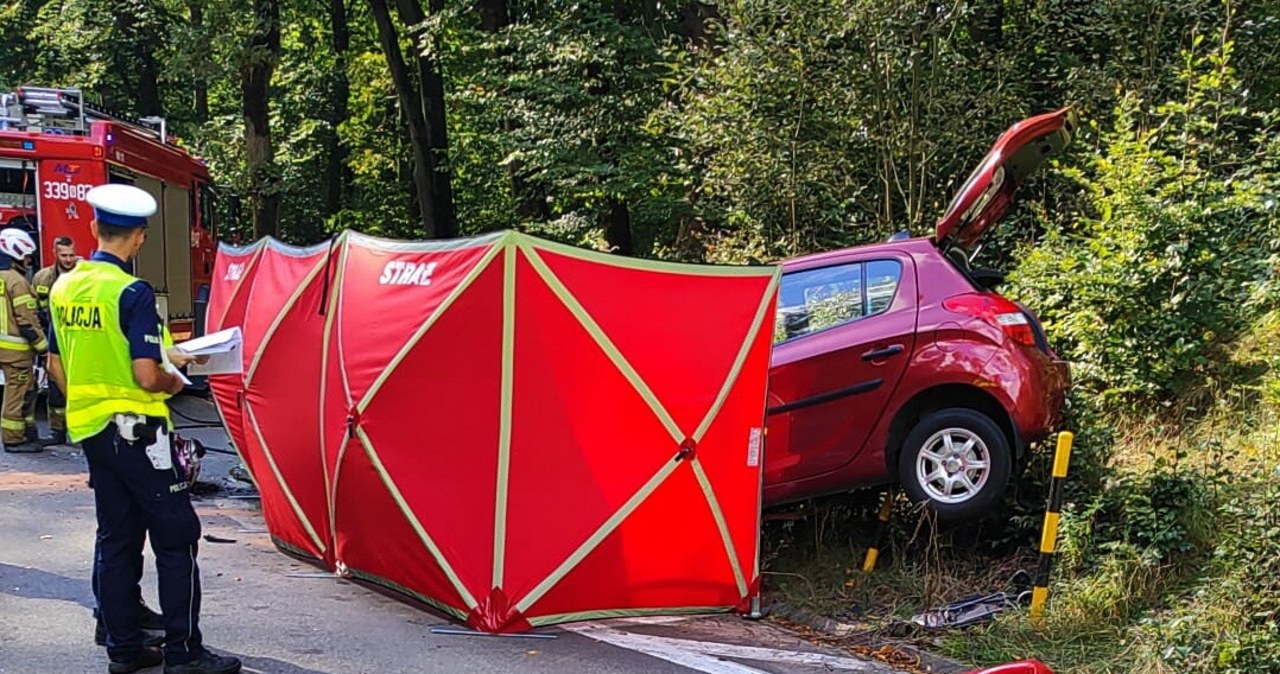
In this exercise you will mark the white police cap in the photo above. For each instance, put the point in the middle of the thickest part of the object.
(121, 205)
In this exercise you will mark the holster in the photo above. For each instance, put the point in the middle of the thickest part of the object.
(144, 429)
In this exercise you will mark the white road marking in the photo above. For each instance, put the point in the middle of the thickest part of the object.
(679, 656)
(706, 656)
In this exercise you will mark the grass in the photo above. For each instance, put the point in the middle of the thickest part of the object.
(1142, 583)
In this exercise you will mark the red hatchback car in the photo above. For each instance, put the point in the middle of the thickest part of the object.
(897, 362)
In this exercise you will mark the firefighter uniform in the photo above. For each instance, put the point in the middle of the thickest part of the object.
(104, 319)
(21, 340)
(41, 283)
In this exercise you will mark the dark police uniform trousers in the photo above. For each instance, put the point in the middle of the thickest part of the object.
(133, 499)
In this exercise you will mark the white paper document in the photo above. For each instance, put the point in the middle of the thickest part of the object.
(224, 349)
(173, 370)
(218, 342)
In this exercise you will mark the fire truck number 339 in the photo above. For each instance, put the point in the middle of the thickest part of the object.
(54, 189)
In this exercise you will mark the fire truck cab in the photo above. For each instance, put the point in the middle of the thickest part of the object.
(55, 146)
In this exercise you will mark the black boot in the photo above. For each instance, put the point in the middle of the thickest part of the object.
(149, 637)
(150, 622)
(206, 664)
(147, 657)
(148, 619)
(23, 448)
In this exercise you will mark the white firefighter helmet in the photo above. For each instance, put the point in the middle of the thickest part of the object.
(16, 243)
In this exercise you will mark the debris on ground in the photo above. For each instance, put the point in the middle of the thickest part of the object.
(977, 609)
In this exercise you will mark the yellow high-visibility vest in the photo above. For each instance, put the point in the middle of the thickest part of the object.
(95, 351)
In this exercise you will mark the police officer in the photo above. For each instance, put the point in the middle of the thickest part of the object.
(107, 355)
(64, 260)
(21, 340)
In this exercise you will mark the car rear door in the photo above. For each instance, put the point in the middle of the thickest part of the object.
(845, 332)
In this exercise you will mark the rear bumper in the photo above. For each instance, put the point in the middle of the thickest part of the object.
(1041, 396)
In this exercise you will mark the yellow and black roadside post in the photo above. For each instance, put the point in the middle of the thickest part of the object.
(882, 528)
(1049, 537)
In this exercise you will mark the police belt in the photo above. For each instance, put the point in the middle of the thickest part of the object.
(144, 428)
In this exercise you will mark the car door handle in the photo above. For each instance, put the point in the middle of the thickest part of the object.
(877, 354)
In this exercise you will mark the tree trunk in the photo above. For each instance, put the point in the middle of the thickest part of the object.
(494, 15)
(617, 231)
(986, 24)
(411, 107)
(618, 227)
(431, 96)
(255, 81)
(137, 57)
(201, 84)
(148, 82)
(338, 175)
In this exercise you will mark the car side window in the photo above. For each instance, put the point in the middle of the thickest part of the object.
(883, 277)
(817, 299)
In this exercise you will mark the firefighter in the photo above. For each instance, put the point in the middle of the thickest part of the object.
(21, 340)
(108, 355)
(64, 261)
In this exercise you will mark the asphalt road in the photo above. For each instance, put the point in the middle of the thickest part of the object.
(280, 624)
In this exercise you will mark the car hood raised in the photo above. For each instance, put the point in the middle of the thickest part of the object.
(989, 192)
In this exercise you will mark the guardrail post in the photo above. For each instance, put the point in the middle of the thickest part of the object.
(1049, 537)
(873, 552)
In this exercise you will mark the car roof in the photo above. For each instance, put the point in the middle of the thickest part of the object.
(918, 245)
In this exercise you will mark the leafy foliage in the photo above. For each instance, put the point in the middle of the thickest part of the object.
(1145, 291)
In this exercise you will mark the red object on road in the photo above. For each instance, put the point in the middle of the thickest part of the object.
(1030, 666)
(516, 432)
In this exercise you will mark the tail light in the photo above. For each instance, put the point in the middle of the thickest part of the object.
(996, 311)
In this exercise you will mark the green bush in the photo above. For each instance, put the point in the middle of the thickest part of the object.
(1146, 293)
(1165, 515)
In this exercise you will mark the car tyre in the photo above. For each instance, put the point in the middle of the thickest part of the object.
(956, 461)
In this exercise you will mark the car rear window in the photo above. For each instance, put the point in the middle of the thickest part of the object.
(817, 299)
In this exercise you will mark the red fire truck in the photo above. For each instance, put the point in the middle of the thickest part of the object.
(54, 146)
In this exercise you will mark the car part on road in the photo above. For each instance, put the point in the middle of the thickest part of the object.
(977, 608)
(240, 473)
(957, 461)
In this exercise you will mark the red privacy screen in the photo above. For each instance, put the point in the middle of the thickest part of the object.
(515, 432)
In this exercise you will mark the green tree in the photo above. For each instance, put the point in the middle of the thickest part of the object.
(1148, 287)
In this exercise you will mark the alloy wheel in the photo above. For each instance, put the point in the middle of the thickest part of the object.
(953, 465)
